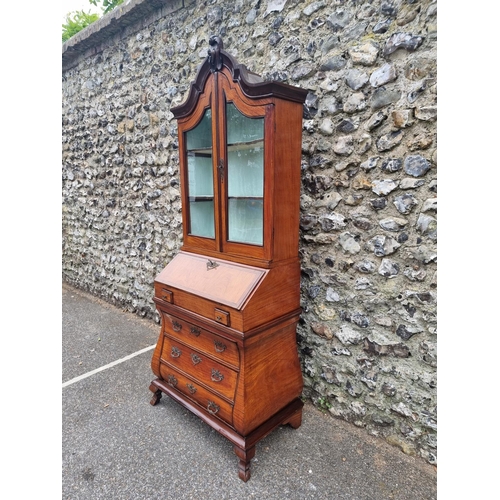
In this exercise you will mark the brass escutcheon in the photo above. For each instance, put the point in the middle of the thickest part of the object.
(211, 264)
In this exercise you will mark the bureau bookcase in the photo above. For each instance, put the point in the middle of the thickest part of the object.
(229, 300)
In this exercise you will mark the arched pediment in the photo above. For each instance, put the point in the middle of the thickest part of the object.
(251, 84)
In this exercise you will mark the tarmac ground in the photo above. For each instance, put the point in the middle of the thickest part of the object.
(116, 446)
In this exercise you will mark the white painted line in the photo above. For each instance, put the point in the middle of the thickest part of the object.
(105, 367)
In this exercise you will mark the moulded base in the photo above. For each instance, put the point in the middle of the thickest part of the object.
(244, 446)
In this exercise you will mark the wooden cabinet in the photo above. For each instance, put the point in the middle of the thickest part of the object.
(229, 300)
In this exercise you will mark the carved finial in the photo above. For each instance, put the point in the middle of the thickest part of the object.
(214, 55)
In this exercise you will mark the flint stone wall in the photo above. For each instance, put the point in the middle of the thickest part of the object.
(367, 337)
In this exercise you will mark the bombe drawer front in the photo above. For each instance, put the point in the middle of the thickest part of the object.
(209, 401)
(209, 372)
(201, 339)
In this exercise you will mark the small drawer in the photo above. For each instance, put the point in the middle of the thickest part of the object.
(201, 339)
(221, 316)
(167, 295)
(218, 377)
(191, 389)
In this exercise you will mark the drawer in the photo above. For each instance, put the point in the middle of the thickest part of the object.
(209, 372)
(164, 293)
(197, 393)
(201, 339)
(221, 316)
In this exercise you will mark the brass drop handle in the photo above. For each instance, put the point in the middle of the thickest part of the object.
(191, 388)
(176, 326)
(212, 408)
(175, 353)
(219, 346)
(195, 331)
(172, 380)
(195, 359)
(216, 375)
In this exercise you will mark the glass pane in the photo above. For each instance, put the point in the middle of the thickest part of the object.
(202, 218)
(241, 128)
(246, 220)
(200, 175)
(245, 176)
(246, 171)
(200, 178)
(200, 137)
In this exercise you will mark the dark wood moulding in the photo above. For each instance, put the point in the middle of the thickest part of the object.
(252, 85)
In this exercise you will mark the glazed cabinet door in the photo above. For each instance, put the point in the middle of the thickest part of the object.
(245, 177)
(197, 154)
(227, 171)
(246, 187)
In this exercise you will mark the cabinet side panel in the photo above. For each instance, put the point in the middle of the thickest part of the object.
(287, 179)
(277, 295)
(155, 361)
(270, 378)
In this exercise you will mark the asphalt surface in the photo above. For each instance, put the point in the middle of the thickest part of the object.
(116, 446)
